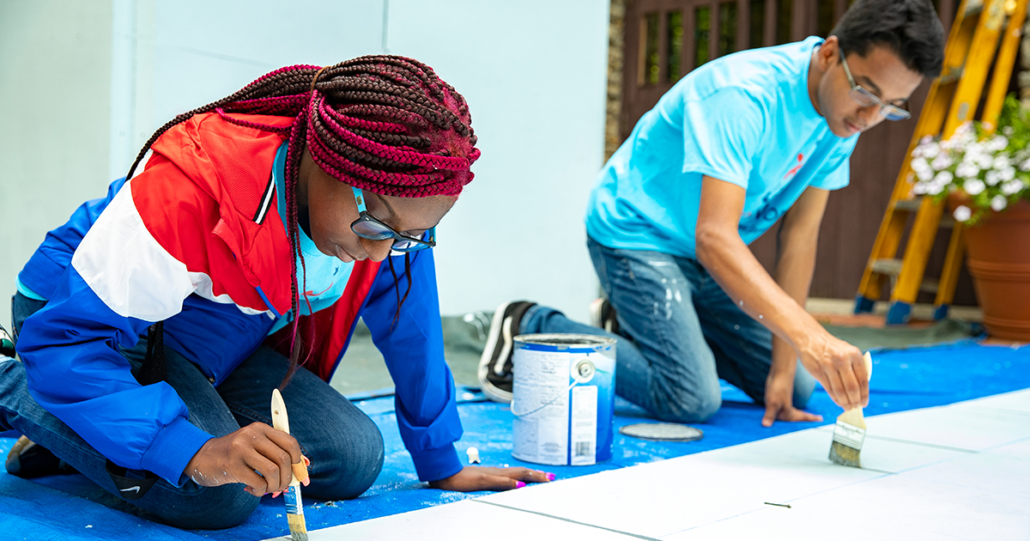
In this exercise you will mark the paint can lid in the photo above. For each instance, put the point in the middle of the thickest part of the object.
(662, 432)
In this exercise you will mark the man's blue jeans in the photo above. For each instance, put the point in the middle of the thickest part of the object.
(344, 445)
(680, 332)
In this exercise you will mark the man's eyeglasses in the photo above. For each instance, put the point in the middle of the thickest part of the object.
(866, 98)
(370, 228)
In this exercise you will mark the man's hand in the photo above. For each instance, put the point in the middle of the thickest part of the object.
(779, 402)
(257, 455)
(476, 478)
(839, 366)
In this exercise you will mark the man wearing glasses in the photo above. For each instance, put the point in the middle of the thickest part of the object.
(733, 147)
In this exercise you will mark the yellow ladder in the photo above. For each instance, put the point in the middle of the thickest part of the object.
(953, 100)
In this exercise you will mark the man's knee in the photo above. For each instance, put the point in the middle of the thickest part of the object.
(690, 405)
(804, 386)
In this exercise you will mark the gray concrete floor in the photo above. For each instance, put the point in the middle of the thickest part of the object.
(363, 369)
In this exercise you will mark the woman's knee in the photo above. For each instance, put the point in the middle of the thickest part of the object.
(348, 464)
(205, 508)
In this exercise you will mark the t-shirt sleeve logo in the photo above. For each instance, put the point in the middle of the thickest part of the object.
(794, 170)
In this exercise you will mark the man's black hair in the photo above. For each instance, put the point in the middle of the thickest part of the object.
(908, 28)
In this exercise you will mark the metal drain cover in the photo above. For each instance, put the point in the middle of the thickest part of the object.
(662, 432)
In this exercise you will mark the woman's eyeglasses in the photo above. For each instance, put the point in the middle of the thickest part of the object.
(370, 228)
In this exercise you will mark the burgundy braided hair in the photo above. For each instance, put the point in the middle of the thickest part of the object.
(385, 124)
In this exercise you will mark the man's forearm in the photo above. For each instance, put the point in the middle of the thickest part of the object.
(795, 264)
(736, 269)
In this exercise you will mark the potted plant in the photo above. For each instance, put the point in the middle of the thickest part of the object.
(985, 176)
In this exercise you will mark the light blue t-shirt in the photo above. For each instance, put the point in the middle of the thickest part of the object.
(745, 118)
(325, 277)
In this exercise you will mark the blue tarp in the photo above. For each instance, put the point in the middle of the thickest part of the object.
(72, 508)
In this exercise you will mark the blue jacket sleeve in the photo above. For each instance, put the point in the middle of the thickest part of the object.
(427, 414)
(75, 372)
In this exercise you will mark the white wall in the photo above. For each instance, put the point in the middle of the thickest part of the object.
(533, 72)
(54, 115)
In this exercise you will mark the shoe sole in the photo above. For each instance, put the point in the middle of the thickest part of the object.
(498, 327)
(596, 307)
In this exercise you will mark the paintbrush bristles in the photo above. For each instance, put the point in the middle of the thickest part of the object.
(848, 436)
(298, 530)
(845, 456)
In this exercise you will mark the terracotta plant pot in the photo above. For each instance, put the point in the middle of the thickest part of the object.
(998, 259)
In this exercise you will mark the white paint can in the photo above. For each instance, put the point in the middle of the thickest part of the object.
(564, 398)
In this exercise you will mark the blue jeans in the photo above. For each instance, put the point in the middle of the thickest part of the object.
(344, 445)
(680, 332)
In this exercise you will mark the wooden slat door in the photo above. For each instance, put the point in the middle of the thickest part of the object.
(665, 39)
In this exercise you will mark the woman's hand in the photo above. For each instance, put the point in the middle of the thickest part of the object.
(476, 478)
(256, 455)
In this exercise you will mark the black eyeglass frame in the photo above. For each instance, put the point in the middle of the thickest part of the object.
(866, 98)
(399, 241)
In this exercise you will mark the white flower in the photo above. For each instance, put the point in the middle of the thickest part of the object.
(944, 178)
(962, 213)
(1025, 165)
(942, 161)
(1008, 131)
(921, 169)
(1001, 162)
(1007, 174)
(998, 143)
(985, 161)
(998, 203)
(964, 130)
(930, 150)
(973, 186)
(921, 188)
(1011, 187)
(992, 178)
(934, 187)
(967, 170)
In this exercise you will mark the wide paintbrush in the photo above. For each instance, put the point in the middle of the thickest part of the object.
(849, 434)
(294, 506)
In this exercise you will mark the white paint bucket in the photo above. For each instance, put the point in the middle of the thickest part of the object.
(564, 398)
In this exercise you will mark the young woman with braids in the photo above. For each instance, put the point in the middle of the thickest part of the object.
(155, 323)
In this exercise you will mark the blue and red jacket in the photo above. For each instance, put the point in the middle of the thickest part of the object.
(196, 240)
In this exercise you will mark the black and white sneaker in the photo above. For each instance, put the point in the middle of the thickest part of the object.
(6, 343)
(602, 314)
(495, 367)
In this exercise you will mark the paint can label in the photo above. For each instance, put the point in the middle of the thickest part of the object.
(584, 425)
(541, 407)
(849, 435)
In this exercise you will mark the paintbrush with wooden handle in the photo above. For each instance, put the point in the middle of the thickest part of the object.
(294, 506)
(849, 433)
